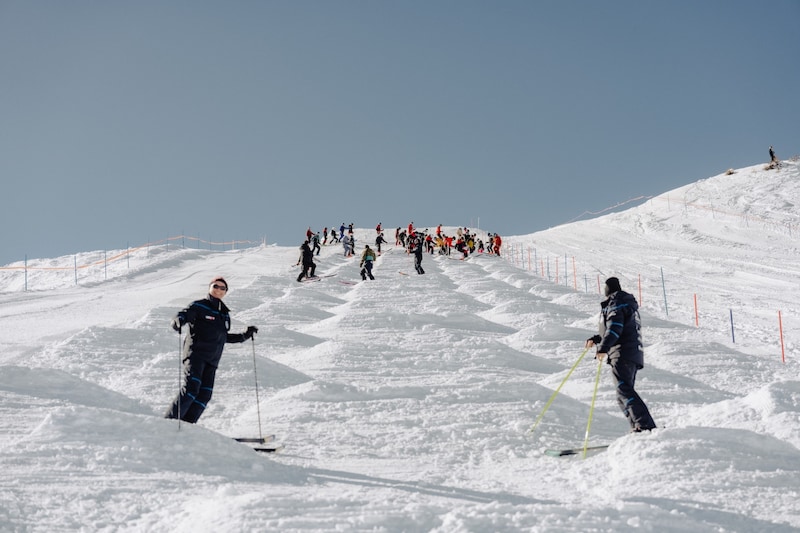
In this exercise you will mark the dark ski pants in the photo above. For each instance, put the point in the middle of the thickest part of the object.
(418, 264)
(196, 391)
(367, 270)
(308, 271)
(630, 403)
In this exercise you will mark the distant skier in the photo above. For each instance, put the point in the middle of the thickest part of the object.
(307, 258)
(315, 242)
(348, 251)
(461, 246)
(773, 159)
(415, 247)
(496, 243)
(378, 241)
(448, 244)
(366, 263)
(209, 324)
(620, 344)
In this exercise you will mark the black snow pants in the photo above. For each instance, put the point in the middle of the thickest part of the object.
(632, 406)
(196, 392)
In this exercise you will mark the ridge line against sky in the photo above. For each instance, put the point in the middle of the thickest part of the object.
(133, 122)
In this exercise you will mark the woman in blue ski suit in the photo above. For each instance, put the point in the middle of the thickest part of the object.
(209, 321)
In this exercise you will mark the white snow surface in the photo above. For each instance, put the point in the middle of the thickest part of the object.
(405, 403)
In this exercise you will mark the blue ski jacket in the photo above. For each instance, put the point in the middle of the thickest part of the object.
(209, 324)
(621, 329)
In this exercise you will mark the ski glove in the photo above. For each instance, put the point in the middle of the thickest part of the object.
(597, 339)
(251, 330)
(176, 324)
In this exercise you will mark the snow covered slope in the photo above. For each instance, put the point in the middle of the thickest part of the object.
(405, 403)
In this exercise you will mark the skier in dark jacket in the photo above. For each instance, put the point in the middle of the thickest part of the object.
(620, 344)
(209, 322)
(415, 247)
(380, 240)
(307, 258)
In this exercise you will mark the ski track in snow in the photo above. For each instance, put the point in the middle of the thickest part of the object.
(405, 402)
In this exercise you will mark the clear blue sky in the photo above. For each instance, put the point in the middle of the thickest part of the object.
(124, 122)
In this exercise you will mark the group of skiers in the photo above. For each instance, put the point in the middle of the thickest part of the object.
(464, 241)
(414, 241)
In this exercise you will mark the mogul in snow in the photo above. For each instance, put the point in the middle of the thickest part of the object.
(620, 345)
(209, 324)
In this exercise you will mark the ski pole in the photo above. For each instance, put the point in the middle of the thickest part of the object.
(258, 403)
(553, 397)
(180, 375)
(591, 409)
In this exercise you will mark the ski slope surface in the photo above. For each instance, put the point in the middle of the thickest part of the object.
(406, 403)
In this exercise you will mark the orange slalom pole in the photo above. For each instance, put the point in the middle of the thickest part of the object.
(640, 289)
(574, 275)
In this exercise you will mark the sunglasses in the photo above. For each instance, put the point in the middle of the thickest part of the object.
(220, 287)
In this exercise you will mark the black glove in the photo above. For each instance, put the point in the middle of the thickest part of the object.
(176, 324)
(597, 339)
(251, 330)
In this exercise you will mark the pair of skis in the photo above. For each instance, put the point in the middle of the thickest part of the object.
(267, 445)
(264, 444)
(316, 278)
(574, 451)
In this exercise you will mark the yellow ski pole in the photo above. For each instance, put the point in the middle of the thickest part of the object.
(591, 409)
(553, 397)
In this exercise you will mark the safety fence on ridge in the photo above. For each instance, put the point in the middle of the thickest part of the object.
(97, 268)
(562, 269)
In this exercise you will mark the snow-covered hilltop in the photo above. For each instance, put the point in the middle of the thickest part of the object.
(405, 402)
